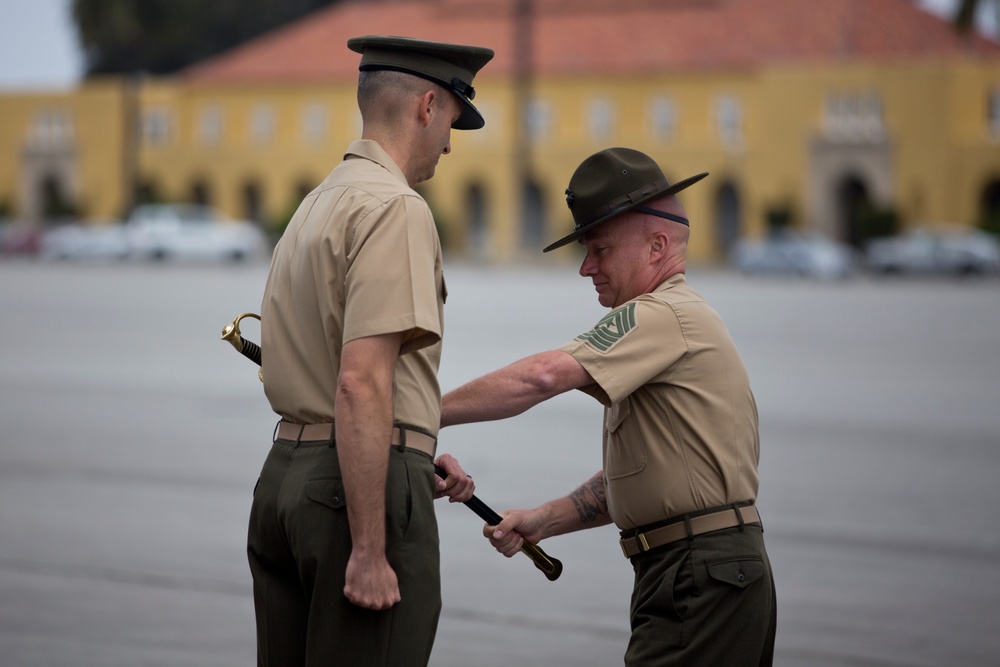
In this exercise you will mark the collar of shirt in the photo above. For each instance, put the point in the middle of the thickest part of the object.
(371, 150)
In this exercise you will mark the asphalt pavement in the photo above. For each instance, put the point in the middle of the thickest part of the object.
(132, 439)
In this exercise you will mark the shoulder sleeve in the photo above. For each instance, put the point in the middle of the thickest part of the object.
(629, 347)
(391, 281)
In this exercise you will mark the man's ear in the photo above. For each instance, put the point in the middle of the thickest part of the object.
(427, 103)
(659, 242)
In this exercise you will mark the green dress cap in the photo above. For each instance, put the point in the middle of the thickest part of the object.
(611, 182)
(450, 65)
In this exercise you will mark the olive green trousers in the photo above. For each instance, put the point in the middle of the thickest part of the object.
(708, 600)
(298, 545)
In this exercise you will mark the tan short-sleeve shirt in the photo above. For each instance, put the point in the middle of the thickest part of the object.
(680, 421)
(360, 257)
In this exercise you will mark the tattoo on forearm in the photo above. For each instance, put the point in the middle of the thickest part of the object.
(590, 499)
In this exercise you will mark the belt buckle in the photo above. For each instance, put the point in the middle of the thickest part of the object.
(640, 539)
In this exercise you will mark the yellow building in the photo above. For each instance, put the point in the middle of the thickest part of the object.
(826, 115)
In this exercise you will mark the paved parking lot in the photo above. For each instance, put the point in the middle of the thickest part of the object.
(133, 437)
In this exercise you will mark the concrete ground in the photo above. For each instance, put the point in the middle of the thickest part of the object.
(132, 437)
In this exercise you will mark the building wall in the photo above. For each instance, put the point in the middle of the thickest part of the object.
(75, 139)
(916, 136)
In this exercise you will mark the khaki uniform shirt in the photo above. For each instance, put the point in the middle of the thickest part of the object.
(680, 421)
(360, 257)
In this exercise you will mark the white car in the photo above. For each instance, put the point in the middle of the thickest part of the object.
(791, 254)
(107, 241)
(948, 250)
(191, 232)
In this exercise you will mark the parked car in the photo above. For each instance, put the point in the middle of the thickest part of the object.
(947, 250)
(188, 231)
(107, 241)
(812, 256)
(17, 238)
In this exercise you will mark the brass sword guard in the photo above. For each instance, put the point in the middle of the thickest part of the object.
(231, 333)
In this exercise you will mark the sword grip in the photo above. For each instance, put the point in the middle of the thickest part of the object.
(549, 566)
(250, 350)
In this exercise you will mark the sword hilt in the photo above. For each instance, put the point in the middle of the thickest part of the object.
(249, 349)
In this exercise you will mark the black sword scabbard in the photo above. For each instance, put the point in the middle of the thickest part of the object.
(549, 566)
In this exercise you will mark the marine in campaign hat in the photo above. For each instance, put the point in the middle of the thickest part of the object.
(452, 66)
(613, 181)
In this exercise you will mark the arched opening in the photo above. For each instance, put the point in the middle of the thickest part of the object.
(853, 204)
(56, 202)
(989, 207)
(532, 217)
(147, 192)
(728, 218)
(253, 206)
(479, 238)
(201, 193)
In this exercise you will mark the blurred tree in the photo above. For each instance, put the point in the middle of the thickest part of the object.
(965, 14)
(163, 36)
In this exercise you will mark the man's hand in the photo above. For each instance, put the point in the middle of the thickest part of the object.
(457, 486)
(371, 582)
(517, 526)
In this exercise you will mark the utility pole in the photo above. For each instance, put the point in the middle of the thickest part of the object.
(524, 12)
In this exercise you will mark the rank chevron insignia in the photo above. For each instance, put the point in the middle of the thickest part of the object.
(611, 329)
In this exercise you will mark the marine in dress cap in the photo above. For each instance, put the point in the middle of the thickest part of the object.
(450, 65)
(613, 181)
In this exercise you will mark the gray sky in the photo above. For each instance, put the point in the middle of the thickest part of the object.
(38, 47)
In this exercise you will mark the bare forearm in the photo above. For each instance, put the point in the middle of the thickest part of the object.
(586, 507)
(363, 415)
(513, 389)
(363, 431)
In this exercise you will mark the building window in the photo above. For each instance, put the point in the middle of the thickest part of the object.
(601, 119)
(993, 113)
(51, 128)
(210, 126)
(729, 121)
(856, 117)
(157, 126)
(538, 120)
(663, 119)
(262, 124)
(314, 124)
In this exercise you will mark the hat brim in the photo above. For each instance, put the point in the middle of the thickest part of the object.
(672, 189)
(470, 119)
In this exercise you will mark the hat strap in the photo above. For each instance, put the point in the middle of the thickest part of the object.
(663, 214)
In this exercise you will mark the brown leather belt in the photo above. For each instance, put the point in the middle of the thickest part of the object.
(696, 525)
(324, 433)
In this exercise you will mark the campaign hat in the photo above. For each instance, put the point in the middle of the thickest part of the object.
(611, 182)
(452, 66)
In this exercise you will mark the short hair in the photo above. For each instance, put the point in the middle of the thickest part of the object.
(379, 90)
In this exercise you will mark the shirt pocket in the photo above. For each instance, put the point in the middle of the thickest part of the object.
(626, 451)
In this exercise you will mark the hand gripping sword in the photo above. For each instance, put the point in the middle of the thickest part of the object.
(549, 566)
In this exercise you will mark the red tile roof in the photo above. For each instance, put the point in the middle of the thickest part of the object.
(604, 36)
